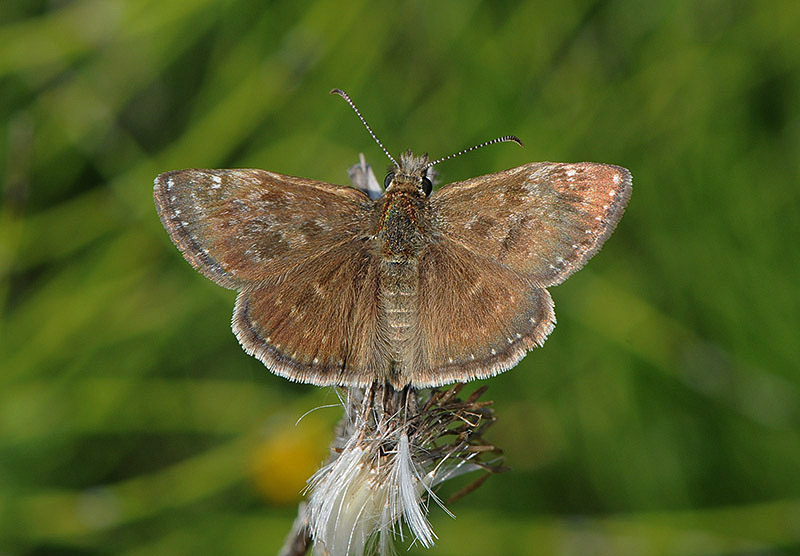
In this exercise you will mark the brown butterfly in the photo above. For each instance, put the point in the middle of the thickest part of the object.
(414, 287)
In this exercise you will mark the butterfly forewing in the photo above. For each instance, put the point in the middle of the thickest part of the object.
(241, 226)
(542, 219)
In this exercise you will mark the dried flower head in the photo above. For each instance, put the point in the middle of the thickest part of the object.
(393, 447)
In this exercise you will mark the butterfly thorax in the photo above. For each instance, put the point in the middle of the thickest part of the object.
(400, 230)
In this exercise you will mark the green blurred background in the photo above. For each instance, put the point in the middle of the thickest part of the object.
(661, 418)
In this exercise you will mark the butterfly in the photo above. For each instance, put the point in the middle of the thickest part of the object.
(415, 287)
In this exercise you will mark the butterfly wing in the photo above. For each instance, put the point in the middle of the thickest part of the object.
(543, 219)
(239, 227)
(501, 239)
(296, 250)
(476, 318)
(319, 323)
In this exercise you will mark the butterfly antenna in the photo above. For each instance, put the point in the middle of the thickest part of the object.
(342, 94)
(503, 139)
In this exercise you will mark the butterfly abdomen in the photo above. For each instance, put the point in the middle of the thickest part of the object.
(399, 305)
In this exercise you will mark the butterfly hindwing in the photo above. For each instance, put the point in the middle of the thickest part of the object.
(320, 322)
(464, 332)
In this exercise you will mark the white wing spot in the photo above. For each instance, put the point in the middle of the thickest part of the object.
(316, 360)
(616, 178)
(518, 335)
(472, 356)
(184, 223)
(575, 245)
(176, 212)
(612, 192)
(605, 207)
(533, 320)
(170, 183)
(571, 172)
(494, 351)
(449, 359)
(598, 218)
(510, 340)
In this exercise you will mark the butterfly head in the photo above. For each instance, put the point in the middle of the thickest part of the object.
(411, 173)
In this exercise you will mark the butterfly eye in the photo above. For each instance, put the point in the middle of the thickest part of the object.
(388, 180)
(427, 186)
